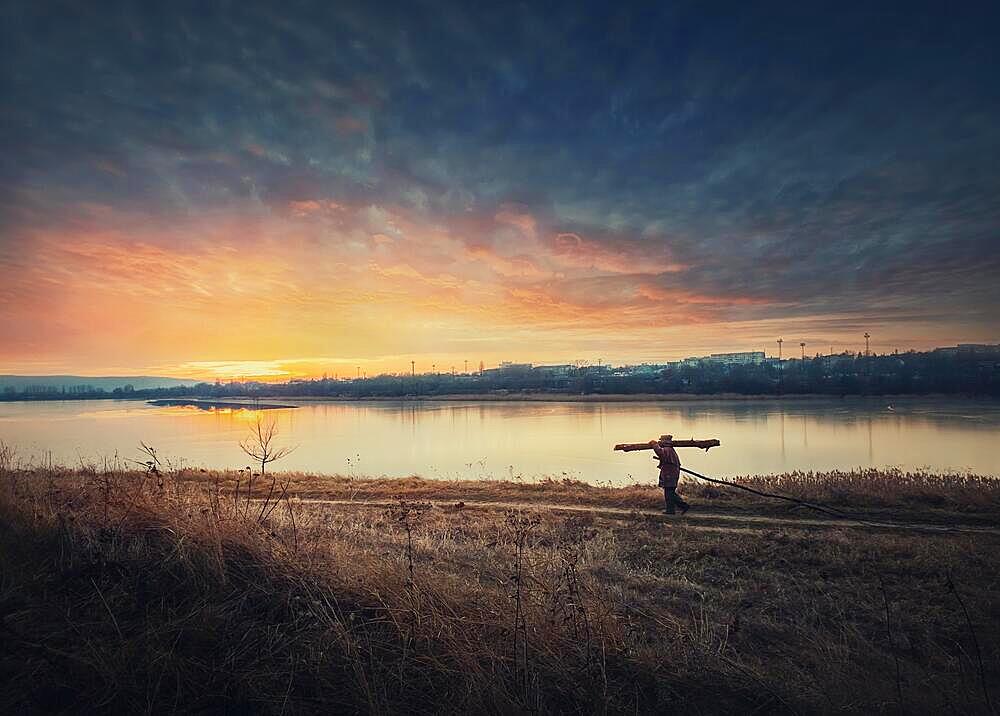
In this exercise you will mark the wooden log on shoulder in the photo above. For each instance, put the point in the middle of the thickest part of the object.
(703, 444)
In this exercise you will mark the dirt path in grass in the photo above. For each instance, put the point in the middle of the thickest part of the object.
(699, 518)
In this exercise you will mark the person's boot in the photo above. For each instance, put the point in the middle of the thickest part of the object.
(684, 508)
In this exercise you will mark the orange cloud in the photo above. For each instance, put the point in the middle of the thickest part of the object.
(312, 207)
(524, 222)
(374, 285)
(521, 266)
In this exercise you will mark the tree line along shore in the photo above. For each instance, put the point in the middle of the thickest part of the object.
(971, 372)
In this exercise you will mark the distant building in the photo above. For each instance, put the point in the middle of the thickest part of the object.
(508, 366)
(744, 358)
(507, 369)
(688, 362)
(642, 369)
(978, 348)
(555, 370)
(969, 349)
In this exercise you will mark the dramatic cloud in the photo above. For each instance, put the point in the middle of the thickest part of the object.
(289, 187)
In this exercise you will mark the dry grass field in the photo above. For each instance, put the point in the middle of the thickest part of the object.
(125, 591)
(925, 496)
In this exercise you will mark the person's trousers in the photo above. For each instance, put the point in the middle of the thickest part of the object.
(672, 499)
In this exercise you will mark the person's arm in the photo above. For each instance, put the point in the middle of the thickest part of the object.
(655, 444)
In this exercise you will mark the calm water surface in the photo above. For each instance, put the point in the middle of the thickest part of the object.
(530, 440)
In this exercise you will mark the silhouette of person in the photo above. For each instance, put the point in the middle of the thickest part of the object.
(670, 473)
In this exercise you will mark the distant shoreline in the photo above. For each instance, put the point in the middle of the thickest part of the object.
(614, 397)
(242, 401)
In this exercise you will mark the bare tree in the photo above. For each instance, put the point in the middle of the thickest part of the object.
(259, 445)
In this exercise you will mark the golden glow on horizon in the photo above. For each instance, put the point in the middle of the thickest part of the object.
(325, 288)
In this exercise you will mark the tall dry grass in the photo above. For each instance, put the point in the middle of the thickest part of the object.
(915, 494)
(886, 487)
(152, 591)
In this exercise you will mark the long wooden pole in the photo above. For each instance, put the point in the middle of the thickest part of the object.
(703, 444)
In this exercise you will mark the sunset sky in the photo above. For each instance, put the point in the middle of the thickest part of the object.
(287, 189)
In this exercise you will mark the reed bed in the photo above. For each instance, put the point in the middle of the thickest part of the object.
(886, 488)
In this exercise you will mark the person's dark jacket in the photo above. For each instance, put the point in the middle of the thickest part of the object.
(670, 465)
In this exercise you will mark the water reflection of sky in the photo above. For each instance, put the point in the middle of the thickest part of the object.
(511, 439)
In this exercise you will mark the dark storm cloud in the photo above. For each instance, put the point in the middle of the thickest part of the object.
(815, 160)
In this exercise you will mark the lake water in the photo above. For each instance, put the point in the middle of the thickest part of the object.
(526, 439)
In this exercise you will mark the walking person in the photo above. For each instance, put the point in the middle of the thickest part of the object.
(670, 473)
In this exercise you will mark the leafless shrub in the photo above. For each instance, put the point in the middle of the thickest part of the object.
(975, 642)
(408, 515)
(520, 526)
(260, 444)
(569, 606)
